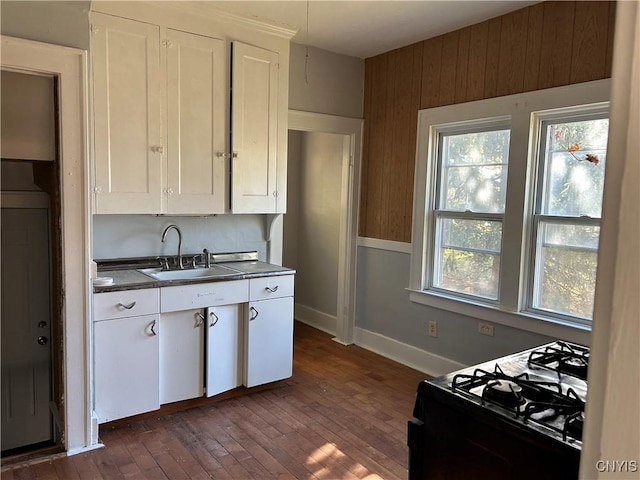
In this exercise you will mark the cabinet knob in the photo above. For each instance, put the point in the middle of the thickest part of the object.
(153, 326)
(272, 290)
(200, 320)
(42, 340)
(254, 313)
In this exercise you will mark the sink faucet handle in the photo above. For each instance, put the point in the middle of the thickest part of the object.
(164, 263)
(207, 258)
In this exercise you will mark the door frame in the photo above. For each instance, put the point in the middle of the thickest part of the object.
(349, 199)
(69, 66)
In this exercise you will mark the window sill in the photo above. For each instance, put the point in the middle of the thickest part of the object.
(554, 328)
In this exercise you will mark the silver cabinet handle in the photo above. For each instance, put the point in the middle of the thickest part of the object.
(213, 314)
(200, 319)
(153, 326)
(254, 313)
(272, 290)
(128, 307)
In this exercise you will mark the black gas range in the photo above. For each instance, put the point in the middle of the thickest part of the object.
(517, 417)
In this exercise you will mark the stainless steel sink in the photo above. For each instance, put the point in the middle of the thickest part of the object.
(214, 271)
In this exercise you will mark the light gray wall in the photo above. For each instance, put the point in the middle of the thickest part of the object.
(121, 236)
(383, 306)
(60, 23)
(335, 82)
(313, 231)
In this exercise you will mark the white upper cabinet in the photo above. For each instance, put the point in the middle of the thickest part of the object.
(254, 130)
(196, 111)
(127, 92)
(177, 129)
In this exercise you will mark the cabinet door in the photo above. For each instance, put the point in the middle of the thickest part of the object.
(126, 354)
(125, 58)
(181, 355)
(224, 349)
(269, 341)
(254, 129)
(197, 104)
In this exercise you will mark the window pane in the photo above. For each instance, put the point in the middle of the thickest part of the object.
(574, 164)
(473, 171)
(468, 256)
(566, 260)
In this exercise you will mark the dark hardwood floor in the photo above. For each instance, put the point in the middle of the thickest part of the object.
(342, 415)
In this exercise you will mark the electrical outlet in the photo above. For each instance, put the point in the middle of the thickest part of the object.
(433, 328)
(485, 329)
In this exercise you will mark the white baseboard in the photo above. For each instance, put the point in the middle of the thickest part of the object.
(408, 355)
(88, 448)
(315, 318)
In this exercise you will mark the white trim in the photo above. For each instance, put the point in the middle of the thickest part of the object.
(69, 65)
(392, 246)
(88, 448)
(611, 415)
(350, 198)
(522, 320)
(315, 318)
(408, 355)
(199, 9)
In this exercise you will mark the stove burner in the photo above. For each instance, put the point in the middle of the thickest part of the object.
(575, 366)
(563, 358)
(506, 393)
(573, 426)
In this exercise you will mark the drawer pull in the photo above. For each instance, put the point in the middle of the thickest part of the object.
(153, 326)
(200, 319)
(213, 314)
(254, 313)
(272, 290)
(128, 307)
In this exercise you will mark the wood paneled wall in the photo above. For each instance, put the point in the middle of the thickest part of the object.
(546, 45)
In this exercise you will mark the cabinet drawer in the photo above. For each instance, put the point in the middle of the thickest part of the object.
(202, 295)
(127, 303)
(271, 287)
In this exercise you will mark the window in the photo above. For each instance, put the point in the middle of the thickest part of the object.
(468, 211)
(507, 208)
(566, 220)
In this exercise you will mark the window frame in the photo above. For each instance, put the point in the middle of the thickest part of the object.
(480, 126)
(521, 110)
(539, 122)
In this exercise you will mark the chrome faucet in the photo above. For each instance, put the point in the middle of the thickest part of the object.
(164, 235)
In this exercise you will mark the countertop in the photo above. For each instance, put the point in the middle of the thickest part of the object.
(132, 279)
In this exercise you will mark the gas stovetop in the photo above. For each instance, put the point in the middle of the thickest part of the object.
(543, 389)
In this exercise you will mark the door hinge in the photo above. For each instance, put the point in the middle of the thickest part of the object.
(166, 43)
(97, 190)
(94, 29)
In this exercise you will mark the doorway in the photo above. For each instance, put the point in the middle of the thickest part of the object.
(320, 226)
(71, 238)
(30, 318)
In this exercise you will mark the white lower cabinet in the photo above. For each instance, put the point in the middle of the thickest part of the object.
(268, 341)
(209, 337)
(126, 353)
(181, 355)
(224, 349)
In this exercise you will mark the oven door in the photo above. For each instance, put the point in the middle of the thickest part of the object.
(455, 439)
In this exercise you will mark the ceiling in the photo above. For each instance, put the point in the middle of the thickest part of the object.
(366, 28)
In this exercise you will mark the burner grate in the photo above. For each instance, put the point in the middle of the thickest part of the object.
(540, 402)
(563, 358)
